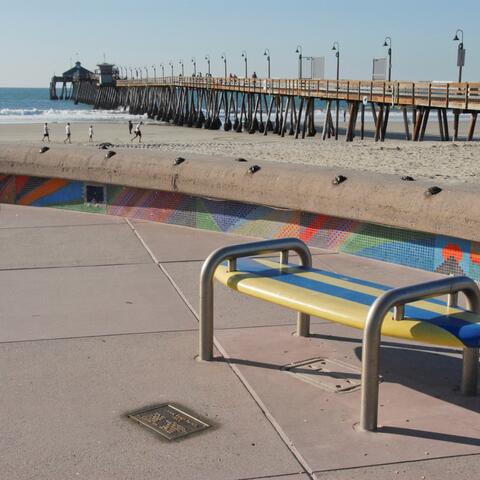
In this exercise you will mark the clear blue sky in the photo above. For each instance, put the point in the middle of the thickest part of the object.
(39, 37)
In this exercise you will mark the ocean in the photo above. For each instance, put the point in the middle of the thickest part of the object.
(33, 105)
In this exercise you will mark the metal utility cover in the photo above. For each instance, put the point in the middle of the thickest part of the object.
(169, 421)
(330, 375)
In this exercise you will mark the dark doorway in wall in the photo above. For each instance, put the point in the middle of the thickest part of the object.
(94, 194)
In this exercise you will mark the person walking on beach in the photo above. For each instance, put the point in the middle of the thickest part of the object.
(138, 133)
(46, 132)
(130, 127)
(68, 133)
(90, 134)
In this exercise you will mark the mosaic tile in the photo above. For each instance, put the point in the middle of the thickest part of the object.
(430, 252)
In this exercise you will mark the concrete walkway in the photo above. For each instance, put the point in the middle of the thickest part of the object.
(98, 319)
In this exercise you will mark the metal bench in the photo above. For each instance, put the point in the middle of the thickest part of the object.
(377, 309)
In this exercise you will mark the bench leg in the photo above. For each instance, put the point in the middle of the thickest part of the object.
(303, 325)
(470, 371)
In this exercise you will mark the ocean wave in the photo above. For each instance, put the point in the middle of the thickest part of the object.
(20, 111)
(52, 115)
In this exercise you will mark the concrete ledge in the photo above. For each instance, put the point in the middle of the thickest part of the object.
(374, 198)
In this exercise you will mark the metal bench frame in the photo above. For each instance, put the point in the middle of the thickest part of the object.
(392, 299)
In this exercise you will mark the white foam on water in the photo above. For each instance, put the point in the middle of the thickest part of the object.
(52, 115)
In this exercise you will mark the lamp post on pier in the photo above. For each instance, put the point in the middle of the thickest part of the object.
(194, 61)
(299, 50)
(154, 72)
(183, 67)
(146, 73)
(171, 66)
(460, 53)
(244, 56)
(207, 58)
(131, 72)
(336, 49)
(141, 72)
(136, 73)
(388, 43)
(162, 66)
(224, 58)
(266, 53)
(460, 64)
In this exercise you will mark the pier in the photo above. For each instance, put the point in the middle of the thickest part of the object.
(288, 106)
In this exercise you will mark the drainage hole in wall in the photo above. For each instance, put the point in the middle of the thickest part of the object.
(94, 194)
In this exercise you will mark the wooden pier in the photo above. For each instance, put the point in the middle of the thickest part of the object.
(287, 106)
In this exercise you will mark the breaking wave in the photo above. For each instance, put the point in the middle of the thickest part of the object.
(52, 115)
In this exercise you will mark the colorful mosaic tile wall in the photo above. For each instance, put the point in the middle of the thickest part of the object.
(415, 249)
(41, 192)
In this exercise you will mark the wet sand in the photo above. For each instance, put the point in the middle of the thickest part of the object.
(451, 162)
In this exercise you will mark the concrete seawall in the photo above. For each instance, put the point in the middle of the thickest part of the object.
(378, 199)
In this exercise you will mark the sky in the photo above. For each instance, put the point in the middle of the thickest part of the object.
(39, 38)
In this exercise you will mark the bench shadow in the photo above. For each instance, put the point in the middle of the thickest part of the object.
(274, 366)
(385, 343)
(444, 437)
(248, 363)
(430, 370)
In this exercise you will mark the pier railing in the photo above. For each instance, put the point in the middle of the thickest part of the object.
(452, 95)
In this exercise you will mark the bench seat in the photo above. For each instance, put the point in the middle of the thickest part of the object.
(346, 300)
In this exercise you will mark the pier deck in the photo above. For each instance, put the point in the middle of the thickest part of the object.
(452, 95)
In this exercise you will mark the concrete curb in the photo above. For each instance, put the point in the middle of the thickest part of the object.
(375, 198)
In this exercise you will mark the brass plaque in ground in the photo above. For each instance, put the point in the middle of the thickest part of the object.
(330, 375)
(169, 421)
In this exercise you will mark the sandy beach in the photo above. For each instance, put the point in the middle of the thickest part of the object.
(445, 162)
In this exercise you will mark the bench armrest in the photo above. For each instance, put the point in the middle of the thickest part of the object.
(371, 337)
(231, 253)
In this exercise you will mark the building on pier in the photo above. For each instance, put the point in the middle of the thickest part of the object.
(75, 74)
(106, 73)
